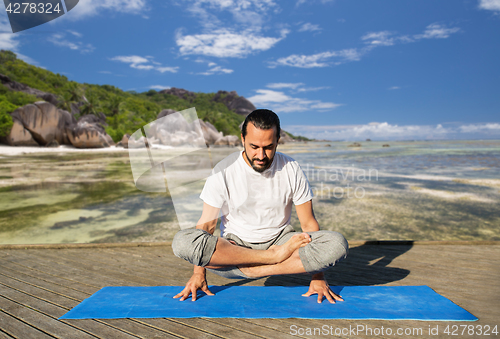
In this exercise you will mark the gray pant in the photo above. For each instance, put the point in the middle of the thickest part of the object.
(324, 251)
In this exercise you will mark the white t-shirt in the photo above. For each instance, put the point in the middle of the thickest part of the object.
(255, 206)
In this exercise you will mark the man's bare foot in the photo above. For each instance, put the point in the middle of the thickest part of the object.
(282, 252)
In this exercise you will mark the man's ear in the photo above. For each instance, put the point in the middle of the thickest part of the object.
(242, 139)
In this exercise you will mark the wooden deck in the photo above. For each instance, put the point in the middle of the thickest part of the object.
(38, 285)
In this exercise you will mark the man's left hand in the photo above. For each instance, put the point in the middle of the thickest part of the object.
(320, 287)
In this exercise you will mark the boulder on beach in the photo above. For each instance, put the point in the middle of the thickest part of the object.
(124, 142)
(19, 136)
(228, 140)
(87, 135)
(210, 133)
(44, 121)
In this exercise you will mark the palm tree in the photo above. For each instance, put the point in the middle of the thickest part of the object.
(91, 103)
(73, 93)
(114, 105)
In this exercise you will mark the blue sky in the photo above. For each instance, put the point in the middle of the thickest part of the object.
(338, 70)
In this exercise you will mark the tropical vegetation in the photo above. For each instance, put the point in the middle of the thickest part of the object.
(125, 112)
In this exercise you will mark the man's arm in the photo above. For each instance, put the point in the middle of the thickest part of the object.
(198, 281)
(318, 285)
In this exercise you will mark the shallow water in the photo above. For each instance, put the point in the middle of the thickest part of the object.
(422, 190)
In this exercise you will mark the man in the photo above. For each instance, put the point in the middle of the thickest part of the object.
(254, 189)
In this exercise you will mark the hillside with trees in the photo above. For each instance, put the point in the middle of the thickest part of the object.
(123, 112)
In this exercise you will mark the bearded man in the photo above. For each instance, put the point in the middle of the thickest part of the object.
(254, 191)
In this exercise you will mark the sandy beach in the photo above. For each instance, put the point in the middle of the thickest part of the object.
(19, 150)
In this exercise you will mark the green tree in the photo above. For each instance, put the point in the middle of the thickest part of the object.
(6, 121)
(114, 105)
(91, 103)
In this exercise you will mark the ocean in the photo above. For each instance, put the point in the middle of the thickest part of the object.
(408, 190)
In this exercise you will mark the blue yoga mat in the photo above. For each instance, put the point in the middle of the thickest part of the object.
(361, 302)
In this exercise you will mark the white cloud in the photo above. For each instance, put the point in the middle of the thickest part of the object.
(140, 66)
(28, 60)
(7, 39)
(300, 2)
(295, 87)
(225, 44)
(214, 69)
(386, 131)
(318, 60)
(491, 127)
(131, 59)
(236, 38)
(372, 39)
(311, 89)
(280, 85)
(94, 7)
(437, 31)
(247, 13)
(394, 88)
(379, 38)
(59, 39)
(491, 5)
(167, 69)
(308, 27)
(267, 96)
(77, 34)
(159, 87)
(283, 103)
(144, 63)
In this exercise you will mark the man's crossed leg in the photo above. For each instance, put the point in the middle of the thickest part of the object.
(290, 253)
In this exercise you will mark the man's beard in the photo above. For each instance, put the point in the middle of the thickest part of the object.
(259, 168)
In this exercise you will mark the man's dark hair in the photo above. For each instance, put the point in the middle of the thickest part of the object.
(262, 119)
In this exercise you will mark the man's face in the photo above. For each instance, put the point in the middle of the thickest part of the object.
(260, 147)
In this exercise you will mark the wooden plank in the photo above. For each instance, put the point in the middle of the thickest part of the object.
(277, 325)
(130, 326)
(448, 276)
(18, 329)
(252, 328)
(97, 328)
(64, 271)
(4, 335)
(151, 269)
(46, 285)
(8, 285)
(175, 328)
(68, 270)
(82, 245)
(41, 321)
(19, 270)
(126, 266)
(92, 267)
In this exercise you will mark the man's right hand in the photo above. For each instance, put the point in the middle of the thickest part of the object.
(197, 282)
